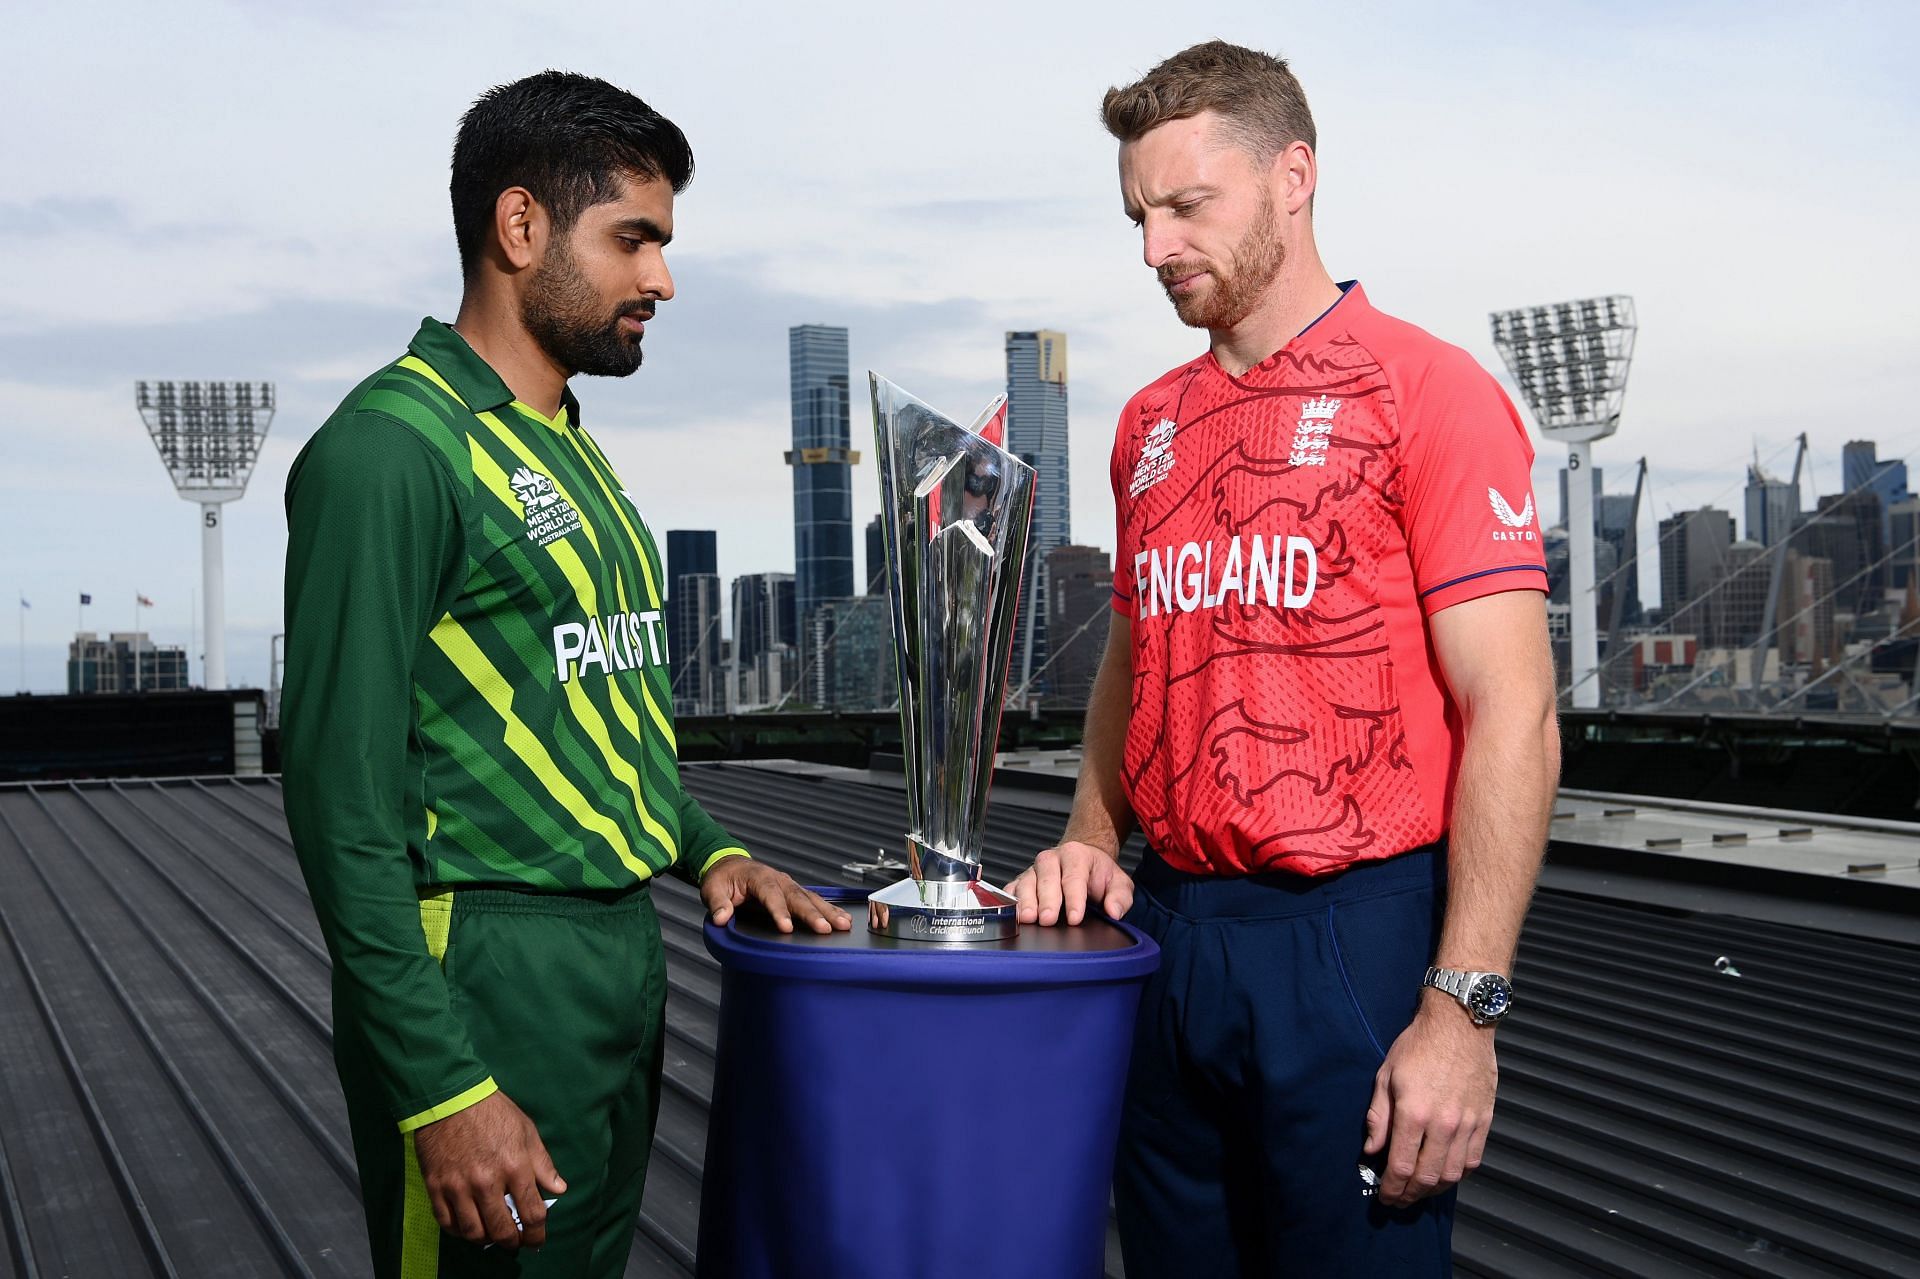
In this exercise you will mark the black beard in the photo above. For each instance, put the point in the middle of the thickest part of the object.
(560, 312)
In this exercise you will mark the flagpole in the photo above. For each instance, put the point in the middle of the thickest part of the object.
(136, 642)
(23, 642)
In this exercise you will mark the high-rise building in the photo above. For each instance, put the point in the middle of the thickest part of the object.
(765, 657)
(1772, 507)
(1693, 556)
(1903, 543)
(848, 657)
(762, 614)
(876, 558)
(699, 673)
(1037, 433)
(1613, 513)
(1597, 472)
(1079, 601)
(124, 662)
(822, 463)
(695, 550)
(693, 620)
(1848, 529)
(1737, 603)
(1861, 467)
(1556, 546)
(1806, 610)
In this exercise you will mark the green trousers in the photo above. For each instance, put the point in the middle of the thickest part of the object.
(564, 997)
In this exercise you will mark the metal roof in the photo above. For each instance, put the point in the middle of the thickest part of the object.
(168, 1104)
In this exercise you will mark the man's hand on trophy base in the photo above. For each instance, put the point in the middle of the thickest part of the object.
(474, 1158)
(1062, 880)
(739, 880)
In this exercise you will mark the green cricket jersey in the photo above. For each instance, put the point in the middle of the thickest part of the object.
(477, 690)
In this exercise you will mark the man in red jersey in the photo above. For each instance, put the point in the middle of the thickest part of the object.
(1326, 701)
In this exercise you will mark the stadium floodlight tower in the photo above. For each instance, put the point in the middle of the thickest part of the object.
(1570, 360)
(209, 435)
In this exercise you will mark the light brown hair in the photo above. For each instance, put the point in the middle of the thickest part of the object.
(1263, 106)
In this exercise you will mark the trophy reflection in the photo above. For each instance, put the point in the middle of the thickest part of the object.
(955, 507)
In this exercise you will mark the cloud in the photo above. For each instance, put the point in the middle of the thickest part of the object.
(53, 215)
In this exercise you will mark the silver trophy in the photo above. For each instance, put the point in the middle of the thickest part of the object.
(955, 507)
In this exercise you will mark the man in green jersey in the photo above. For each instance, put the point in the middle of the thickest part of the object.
(477, 728)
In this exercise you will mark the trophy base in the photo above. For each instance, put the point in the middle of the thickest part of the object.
(943, 911)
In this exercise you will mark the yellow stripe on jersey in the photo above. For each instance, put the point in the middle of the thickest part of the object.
(467, 658)
(488, 472)
(414, 364)
(600, 473)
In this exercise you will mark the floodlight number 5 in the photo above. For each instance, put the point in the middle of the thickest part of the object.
(211, 517)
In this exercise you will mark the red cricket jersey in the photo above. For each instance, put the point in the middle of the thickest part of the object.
(1283, 536)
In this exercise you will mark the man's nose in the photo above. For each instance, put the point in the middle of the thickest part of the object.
(1159, 242)
(657, 282)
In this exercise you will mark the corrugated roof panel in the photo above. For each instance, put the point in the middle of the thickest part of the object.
(168, 1104)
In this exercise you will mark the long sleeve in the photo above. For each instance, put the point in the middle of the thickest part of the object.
(703, 841)
(374, 551)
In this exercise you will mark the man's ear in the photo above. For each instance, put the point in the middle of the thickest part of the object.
(520, 226)
(1297, 173)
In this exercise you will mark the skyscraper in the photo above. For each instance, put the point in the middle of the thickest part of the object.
(1860, 465)
(1613, 513)
(765, 657)
(1037, 433)
(1772, 506)
(1080, 599)
(693, 619)
(876, 558)
(1693, 556)
(849, 662)
(1597, 472)
(699, 677)
(1848, 529)
(1903, 543)
(822, 465)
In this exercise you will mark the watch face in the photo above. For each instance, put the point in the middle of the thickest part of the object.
(1490, 997)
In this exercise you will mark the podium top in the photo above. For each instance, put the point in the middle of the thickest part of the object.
(1098, 950)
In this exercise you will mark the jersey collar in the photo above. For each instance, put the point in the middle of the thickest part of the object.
(1329, 323)
(471, 377)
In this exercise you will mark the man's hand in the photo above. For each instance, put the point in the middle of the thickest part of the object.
(1062, 880)
(473, 1159)
(1432, 1102)
(738, 880)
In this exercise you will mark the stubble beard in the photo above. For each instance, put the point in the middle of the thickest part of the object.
(562, 311)
(1238, 289)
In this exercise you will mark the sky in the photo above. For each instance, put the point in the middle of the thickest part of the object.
(251, 191)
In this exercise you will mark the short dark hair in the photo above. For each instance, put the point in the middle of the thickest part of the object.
(569, 139)
(1257, 95)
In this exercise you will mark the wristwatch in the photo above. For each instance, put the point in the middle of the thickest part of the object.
(1487, 997)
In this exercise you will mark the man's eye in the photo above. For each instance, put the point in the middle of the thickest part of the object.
(629, 243)
(1186, 209)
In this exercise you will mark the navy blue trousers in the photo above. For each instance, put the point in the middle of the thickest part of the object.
(1253, 1063)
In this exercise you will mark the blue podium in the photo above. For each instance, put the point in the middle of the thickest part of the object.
(889, 1109)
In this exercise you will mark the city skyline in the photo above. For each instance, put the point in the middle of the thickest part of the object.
(924, 229)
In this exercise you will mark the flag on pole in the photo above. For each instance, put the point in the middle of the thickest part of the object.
(85, 598)
(23, 602)
(144, 601)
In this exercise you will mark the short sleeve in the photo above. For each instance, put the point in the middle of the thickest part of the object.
(1471, 522)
